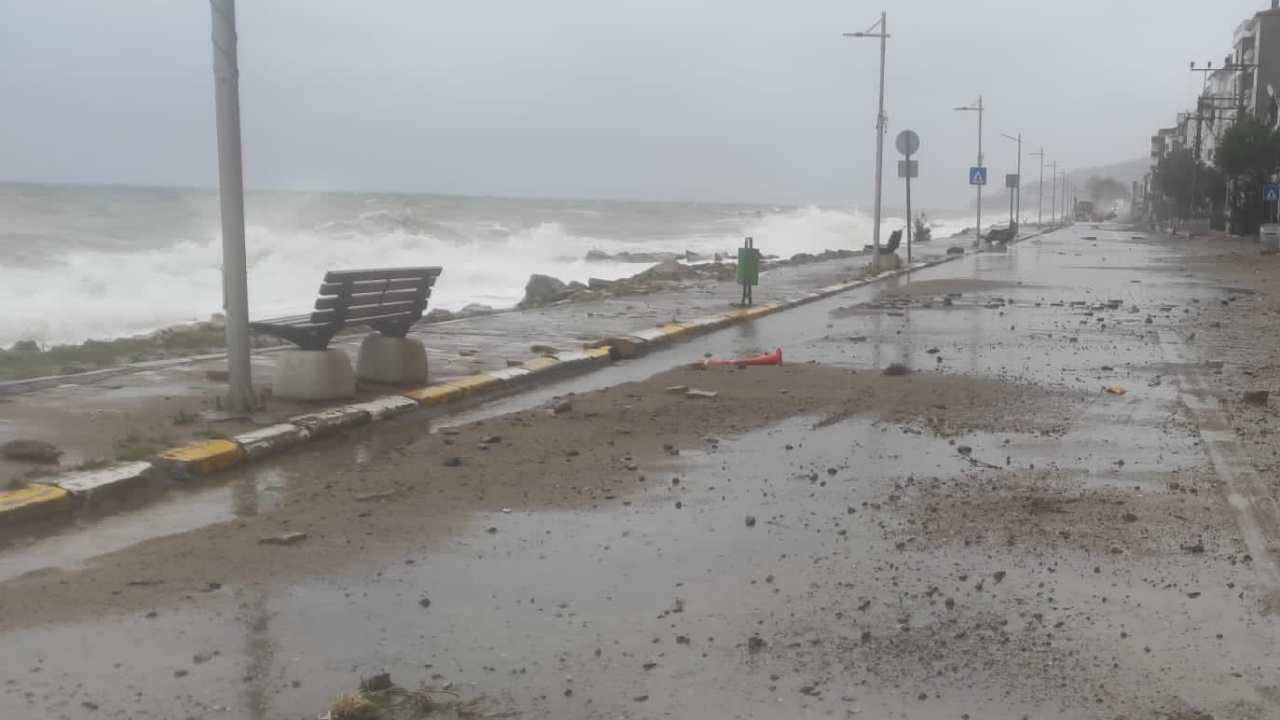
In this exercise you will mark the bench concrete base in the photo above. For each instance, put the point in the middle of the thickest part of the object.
(314, 375)
(887, 262)
(392, 360)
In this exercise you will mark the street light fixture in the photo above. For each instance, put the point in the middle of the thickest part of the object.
(1018, 189)
(978, 108)
(880, 31)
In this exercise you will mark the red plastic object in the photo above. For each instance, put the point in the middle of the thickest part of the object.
(773, 358)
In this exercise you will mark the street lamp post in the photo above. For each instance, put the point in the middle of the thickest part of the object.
(1040, 210)
(978, 108)
(1018, 190)
(881, 31)
(235, 282)
(1053, 196)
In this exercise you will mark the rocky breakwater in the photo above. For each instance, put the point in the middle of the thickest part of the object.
(543, 290)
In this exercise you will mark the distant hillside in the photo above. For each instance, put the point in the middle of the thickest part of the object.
(1126, 172)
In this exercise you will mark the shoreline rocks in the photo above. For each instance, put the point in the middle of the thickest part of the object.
(643, 257)
(544, 290)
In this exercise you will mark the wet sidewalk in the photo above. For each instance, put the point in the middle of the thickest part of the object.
(133, 412)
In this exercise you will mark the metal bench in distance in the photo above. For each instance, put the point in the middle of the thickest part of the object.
(390, 301)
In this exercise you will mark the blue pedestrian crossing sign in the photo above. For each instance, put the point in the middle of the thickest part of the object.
(1271, 192)
(977, 176)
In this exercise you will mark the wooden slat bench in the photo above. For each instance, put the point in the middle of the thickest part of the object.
(1000, 235)
(389, 301)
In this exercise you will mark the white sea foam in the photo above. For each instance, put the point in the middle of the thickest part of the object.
(86, 293)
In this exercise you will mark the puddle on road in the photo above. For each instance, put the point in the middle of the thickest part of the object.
(72, 546)
(649, 608)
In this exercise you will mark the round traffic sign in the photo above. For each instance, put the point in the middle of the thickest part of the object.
(908, 142)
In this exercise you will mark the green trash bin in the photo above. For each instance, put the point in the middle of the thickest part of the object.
(748, 269)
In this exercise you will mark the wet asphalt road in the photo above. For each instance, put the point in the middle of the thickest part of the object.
(867, 590)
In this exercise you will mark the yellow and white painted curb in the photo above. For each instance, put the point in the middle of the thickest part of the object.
(512, 376)
(473, 385)
(38, 502)
(271, 440)
(200, 459)
(432, 395)
(385, 408)
(330, 422)
(91, 485)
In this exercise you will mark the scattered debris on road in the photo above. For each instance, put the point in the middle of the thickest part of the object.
(289, 538)
(1257, 397)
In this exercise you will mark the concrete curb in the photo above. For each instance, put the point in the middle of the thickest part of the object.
(38, 502)
(90, 486)
(198, 459)
(62, 494)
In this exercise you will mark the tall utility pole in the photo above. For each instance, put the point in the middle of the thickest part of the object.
(1205, 72)
(1040, 211)
(1195, 159)
(879, 30)
(1053, 196)
(978, 108)
(1066, 189)
(235, 274)
(1018, 139)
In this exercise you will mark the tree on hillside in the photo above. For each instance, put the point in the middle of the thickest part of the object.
(1177, 173)
(1249, 154)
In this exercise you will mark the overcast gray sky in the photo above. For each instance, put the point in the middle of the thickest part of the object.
(727, 100)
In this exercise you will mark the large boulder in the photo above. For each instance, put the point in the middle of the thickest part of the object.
(476, 309)
(543, 290)
(669, 270)
(438, 315)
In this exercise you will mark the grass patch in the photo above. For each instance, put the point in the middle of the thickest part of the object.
(17, 484)
(39, 474)
(140, 447)
(96, 464)
(92, 355)
(185, 418)
(211, 434)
